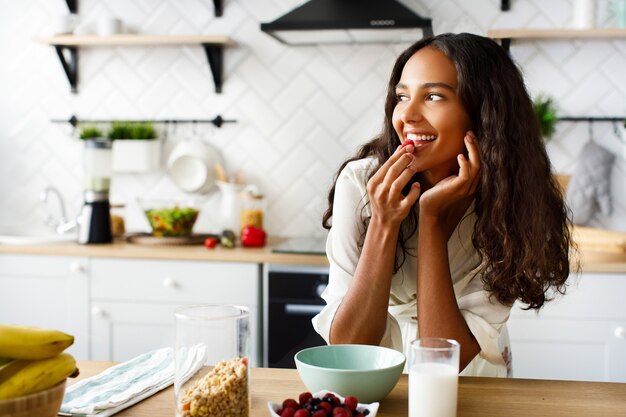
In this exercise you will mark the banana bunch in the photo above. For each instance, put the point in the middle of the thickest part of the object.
(32, 360)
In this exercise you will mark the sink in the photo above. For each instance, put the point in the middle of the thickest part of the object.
(36, 239)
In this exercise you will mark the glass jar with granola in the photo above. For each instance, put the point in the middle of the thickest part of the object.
(212, 375)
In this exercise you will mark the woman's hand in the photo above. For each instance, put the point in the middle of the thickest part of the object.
(446, 193)
(389, 206)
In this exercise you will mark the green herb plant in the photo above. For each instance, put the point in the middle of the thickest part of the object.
(90, 132)
(132, 131)
(545, 110)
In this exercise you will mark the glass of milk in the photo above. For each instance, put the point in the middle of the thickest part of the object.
(433, 377)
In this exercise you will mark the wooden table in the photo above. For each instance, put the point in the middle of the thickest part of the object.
(479, 397)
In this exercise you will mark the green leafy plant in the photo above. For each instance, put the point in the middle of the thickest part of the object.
(545, 110)
(144, 131)
(132, 131)
(90, 132)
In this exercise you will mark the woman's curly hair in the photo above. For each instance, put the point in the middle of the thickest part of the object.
(522, 232)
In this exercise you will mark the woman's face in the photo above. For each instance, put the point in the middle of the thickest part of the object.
(429, 112)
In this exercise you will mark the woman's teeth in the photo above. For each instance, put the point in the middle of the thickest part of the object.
(414, 137)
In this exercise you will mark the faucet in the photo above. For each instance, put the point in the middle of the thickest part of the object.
(60, 224)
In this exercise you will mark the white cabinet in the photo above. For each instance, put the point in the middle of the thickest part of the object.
(47, 291)
(579, 336)
(133, 301)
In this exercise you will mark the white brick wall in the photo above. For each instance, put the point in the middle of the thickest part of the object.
(301, 111)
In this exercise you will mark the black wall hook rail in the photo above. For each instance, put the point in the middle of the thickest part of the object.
(217, 121)
(591, 119)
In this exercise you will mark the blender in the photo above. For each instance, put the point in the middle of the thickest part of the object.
(95, 217)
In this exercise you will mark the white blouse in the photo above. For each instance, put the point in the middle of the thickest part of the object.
(486, 319)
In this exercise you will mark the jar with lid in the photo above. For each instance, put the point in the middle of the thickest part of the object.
(252, 207)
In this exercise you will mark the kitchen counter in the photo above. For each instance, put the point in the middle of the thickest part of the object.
(478, 397)
(600, 251)
(120, 249)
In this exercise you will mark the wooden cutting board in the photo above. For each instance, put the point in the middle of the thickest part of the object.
(601, 240)
(148, 239)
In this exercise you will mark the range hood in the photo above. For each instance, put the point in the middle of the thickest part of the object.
(349, 21)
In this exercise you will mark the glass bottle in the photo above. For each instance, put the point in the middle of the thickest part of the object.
(252, 207)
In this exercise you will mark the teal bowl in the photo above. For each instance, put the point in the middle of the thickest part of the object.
(366, 372)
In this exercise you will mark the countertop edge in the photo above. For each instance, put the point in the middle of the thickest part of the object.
(590, 260)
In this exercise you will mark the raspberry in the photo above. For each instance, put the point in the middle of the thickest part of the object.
(319, 413)
(291, 403)
(351, 402)
(288, 412)
(341, 412)
(407, 143)
(304, 398)
(303, 412)
(326, 407)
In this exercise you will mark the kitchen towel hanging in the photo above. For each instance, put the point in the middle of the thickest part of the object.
(589, 189)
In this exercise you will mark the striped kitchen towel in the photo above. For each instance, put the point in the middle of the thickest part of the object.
(125, 384)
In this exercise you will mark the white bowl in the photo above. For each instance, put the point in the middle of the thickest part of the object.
(372, 407)
(367, 372)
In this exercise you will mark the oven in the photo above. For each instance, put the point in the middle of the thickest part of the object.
(292, 298)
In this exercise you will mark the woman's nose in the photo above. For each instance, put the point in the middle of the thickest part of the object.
(411, 112)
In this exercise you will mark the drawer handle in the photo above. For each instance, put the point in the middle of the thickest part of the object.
(620, 332)
(170, 283)
(98, 312)
(303, 309)
(320, 289)
(76, 268)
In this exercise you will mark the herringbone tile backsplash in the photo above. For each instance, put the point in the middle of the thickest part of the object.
(300, 110)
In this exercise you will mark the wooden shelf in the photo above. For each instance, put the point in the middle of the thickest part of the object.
(506, 35)
(557, 33)
(67, 49)
(130, 40)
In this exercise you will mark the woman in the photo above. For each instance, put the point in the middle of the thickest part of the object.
(439, 237)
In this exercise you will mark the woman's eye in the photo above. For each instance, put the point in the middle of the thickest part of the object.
(434, 97)
(401, 97)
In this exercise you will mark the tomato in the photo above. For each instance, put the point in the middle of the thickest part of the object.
(210, 242)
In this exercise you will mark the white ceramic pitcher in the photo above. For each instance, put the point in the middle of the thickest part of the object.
(230, 205)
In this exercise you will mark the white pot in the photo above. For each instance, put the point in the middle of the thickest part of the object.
(584, 14)
(136, 155)
(191, 165)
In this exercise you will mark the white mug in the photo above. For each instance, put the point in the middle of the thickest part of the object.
(65, 24)
(584, 14)
(108, 26)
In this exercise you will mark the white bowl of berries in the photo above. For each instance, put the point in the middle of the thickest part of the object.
(322, 404)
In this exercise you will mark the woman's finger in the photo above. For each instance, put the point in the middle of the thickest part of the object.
(472, 148)
(412, 196)
(398, 168)
(402, 179)
(382, 171)
(464, 169)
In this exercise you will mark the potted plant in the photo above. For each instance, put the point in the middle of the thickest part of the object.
(136, 147)
(546, 113)
(90, 132)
